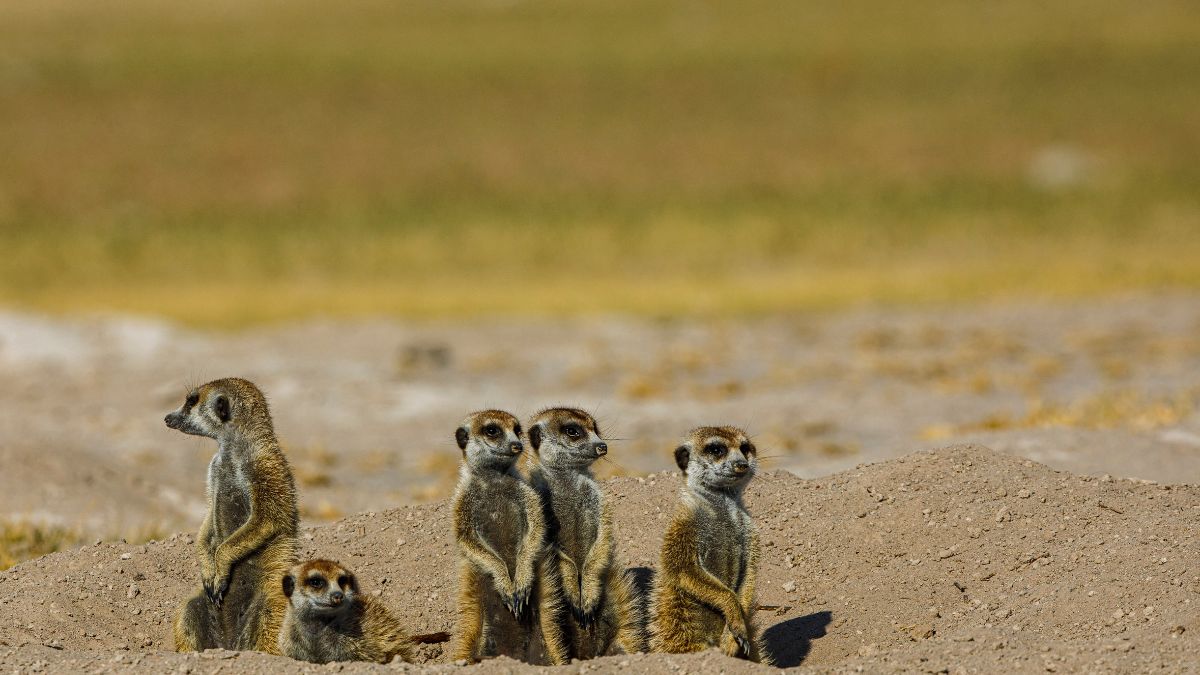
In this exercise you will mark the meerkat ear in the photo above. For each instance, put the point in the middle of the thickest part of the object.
(289, 585)
(535, 437)
(461, 436)
(682, 454)
(221, 406)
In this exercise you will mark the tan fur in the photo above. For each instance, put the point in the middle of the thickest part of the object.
(358, 628)
(703, 595)
(500, 531)
(247, 541)
(600, 607)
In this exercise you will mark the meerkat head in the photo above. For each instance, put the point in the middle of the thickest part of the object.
(566, 437)
(320, 588)
(221, 407)
(717, 457)
(490, 438)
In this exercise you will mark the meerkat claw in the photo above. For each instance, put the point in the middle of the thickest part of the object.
(517, 603)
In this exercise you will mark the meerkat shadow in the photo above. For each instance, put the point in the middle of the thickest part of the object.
(788, 642)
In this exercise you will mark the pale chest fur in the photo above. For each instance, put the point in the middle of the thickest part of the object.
(229, 477)
(724, 541)
(321, 641)
(576, 502)
(498, 513)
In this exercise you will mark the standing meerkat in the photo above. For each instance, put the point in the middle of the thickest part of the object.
(247, 542)
(703, 595)
(328, 619)
(603, 608)
(500, 531)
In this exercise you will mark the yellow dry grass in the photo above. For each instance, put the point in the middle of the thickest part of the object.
(230, 163)
(22, 540)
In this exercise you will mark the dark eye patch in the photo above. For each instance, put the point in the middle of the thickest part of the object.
(221, 406)
(573, 430)
(192, 400)
(715, 449)
(343, 581)
(747, 448)
(517, 429)
(315, 582)
(491, 430)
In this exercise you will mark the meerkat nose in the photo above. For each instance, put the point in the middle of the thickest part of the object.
(741, 466)
(336, 596)
(516, 448)
(601, 449)
(170, 420)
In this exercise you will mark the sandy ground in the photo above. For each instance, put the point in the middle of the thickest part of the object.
(1058, 571)
(956, 560)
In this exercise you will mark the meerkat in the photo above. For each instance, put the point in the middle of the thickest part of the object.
(500, 531)
(603, 608)
(329, 619)
(247, 541)
(703, 595)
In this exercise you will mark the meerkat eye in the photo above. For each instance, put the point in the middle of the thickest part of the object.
(343, 581)
(517, 429)
(746, 448)
(715, 449)
(315, 582)
(573, 430)
(492, 430)
(192, 400)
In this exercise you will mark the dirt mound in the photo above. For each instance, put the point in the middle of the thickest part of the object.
(960, 558)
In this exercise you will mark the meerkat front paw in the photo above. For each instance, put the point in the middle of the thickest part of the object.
(518, 602)
(216, 584)
(585, 612)
(737, 628)
(522, 590)
(732, 645)
(515, 598)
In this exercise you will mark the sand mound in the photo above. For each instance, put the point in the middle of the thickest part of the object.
(957, 559)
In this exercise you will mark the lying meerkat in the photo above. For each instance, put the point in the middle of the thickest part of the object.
(247, 542)
(328, 619)
(703, 595)
(581, 557)
(500, 531)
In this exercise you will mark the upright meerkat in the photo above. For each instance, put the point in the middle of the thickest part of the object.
(703, 595)
(247, 542)
(328, 619)
(581, 557)
(500, 531)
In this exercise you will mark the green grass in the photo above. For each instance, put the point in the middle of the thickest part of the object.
(237, 162)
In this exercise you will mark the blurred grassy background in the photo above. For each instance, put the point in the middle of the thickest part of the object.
(240, 161)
